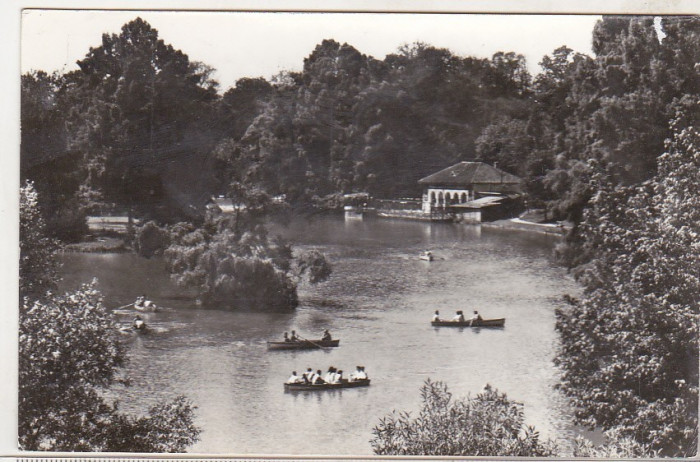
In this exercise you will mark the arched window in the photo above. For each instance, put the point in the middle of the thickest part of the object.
(464, 198)
(441, 200)
(432, 197)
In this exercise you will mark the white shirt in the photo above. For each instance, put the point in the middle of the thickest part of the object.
(294, 379)
(436, 317)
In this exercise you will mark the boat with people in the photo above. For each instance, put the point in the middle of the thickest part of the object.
(331, 380)
(296, 342)
(345, 383)
(143, 304)
(427, 256)
(303, 344)
(499, 322)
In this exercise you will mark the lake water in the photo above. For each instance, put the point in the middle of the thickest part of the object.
(379, 302)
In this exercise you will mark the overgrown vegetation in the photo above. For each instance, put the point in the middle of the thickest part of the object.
(587, 135)
(233, 263)
(488, 424)
(69, 354)
(630, 345)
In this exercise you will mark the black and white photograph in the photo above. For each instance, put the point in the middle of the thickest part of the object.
(358, 233)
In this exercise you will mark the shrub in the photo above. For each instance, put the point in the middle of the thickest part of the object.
(487, 425)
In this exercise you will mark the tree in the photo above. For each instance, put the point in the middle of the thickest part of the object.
(44, 157)
(37, 262)
(69, 354)
(141, 113)
(68, 348)
(234, 264)
(629, 346)
(487, 425)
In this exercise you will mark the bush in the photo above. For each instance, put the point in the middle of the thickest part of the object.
(151, 240)
(69, 353)
(488, 425)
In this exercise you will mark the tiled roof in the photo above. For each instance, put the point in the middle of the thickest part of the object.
(467, 173)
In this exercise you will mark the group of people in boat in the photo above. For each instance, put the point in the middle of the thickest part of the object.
(143, 302)
(459, 316)
(332, 376)
(295, 338)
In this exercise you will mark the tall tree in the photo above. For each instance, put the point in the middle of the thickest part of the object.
(142, 107)
(629, 346)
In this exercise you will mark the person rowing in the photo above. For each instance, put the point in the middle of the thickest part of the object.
(436, 316)
(326, 336)
(142, 303)
(294, 337)
(294, 378)
(459, 317)
(476, 317)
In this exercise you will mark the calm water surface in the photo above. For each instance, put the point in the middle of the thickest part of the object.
(379, 302)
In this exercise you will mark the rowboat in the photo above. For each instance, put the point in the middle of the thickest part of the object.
(147, 306)
(499, 322)
(344, 383)
(303, 345)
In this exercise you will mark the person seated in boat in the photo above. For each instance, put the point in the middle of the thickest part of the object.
(436, 316)
(139, 323)
(294, 337)
(326, 336)
(359, 374)
(330, 375)
(286, 337)
(338, 377)
(308, 375)
(139, 300)
(476, 316)
(317, 379)
(459, 317)
(294, 378)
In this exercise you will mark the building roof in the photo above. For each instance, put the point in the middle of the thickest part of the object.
(468, 173)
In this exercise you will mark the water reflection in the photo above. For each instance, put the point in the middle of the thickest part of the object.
(379, 302)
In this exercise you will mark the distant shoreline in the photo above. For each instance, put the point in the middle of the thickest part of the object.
(528, 226)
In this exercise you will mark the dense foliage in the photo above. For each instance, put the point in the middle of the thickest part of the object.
(233, 263)
(630, 345)
(69, 354)
(487, 425)
(68, 348)
(37, 262)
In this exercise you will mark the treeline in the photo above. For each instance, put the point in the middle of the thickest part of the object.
(125, 130)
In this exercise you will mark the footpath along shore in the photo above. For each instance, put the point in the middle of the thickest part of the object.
(556, 229)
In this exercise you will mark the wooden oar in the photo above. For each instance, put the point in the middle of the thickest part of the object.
(312, 342)
(122, 307)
